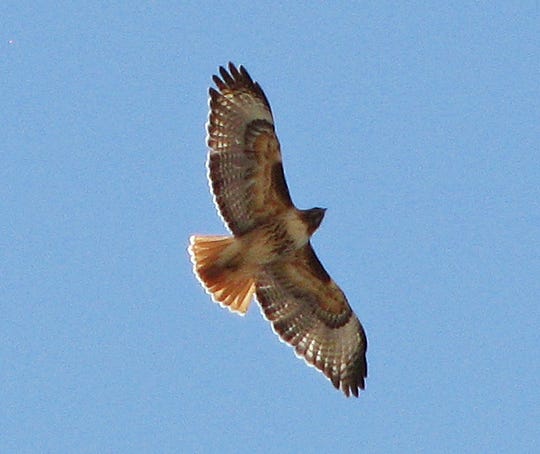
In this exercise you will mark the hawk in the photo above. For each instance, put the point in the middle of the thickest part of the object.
(269, 254)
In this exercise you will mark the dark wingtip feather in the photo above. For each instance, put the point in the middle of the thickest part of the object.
(234, 72)
(245, 74)
(227, 78)
(219, 83)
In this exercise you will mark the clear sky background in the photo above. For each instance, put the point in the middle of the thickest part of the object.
(417, 126)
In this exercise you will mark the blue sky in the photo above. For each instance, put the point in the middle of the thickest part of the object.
(416, 125)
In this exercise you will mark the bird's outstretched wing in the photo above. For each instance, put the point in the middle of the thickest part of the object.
(244, 163)
(310, 312)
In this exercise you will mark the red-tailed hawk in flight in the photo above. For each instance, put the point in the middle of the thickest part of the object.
(270, 255)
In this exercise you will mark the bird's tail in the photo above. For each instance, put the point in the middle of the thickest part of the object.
(216, 265)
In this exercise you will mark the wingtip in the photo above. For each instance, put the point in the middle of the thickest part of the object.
(233, 71)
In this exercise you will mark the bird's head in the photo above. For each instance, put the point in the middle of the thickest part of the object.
(313, 218)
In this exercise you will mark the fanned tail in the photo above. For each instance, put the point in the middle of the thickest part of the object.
(216, 265)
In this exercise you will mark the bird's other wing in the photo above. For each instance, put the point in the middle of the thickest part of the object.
(311, 313)
(244, 163)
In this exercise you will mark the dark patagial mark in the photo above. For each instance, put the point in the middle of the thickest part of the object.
(280, 185)
(315, 266)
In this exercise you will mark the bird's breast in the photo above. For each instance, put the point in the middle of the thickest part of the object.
(276, 238)
(296, 229)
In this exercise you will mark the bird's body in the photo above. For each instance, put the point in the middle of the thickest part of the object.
(269, 254)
